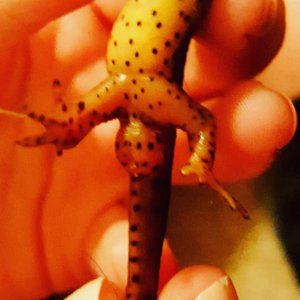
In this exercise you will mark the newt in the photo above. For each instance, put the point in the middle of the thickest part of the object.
(145, 60)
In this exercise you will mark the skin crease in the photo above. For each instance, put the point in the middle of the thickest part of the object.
(52, 221)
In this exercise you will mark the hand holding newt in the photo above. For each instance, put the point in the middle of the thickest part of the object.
(246, 88)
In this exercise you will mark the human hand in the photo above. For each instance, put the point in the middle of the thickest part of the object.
(62, 218)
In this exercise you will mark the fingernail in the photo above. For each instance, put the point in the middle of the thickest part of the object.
(219, 290)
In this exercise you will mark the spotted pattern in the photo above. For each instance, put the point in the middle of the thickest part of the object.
(145, 60)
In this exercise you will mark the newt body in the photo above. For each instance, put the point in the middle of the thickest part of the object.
(145, 60)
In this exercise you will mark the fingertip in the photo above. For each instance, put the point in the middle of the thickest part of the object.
(110, 9)
(253, 124)
(238, 40)
(22, 18)
(199, 282)
(97, 289)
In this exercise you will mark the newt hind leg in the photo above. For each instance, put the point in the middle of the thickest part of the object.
(158, 101)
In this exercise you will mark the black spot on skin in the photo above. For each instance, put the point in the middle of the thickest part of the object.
(106, 89)
(81, 105)
(134, 243)
(127, 63)
(130, 41)
(117, 145)
(56, 83)
(113, 61)
(136, 208)
(124, 164)
(177, 35)
(136, 54)
(64, 107)
(139, 145)
(139, 23)
(154, 13)
(145, 164)
(135, 278)
(115, 43)
(134, 81)
(154, 51)
(134, 192)
(159, 25)
(59, 152)
(150, 146)
(128, 296)
(92, 124)
(32, 115)
(134, 259)
(159, 103)
(169, 91)
(178, 97)
(95, 113)
(126, 96)
(150, 106)
(141, 70)
(133, 228)
(168, 44)
(204, 160)
(142, 90)
(41, 118)
(134, 115)
(135, 96)
(166, 62)
(127, 24)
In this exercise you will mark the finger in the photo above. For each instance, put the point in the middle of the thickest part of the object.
(254, 123)
(99, 288)
(280, 75)
(199, 283)
(107, 245)
(21, 18)
(238, 40)
(110, 9)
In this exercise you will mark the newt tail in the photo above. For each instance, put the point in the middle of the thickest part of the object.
(148, 211)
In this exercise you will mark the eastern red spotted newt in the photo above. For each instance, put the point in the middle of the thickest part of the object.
(145, 60)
